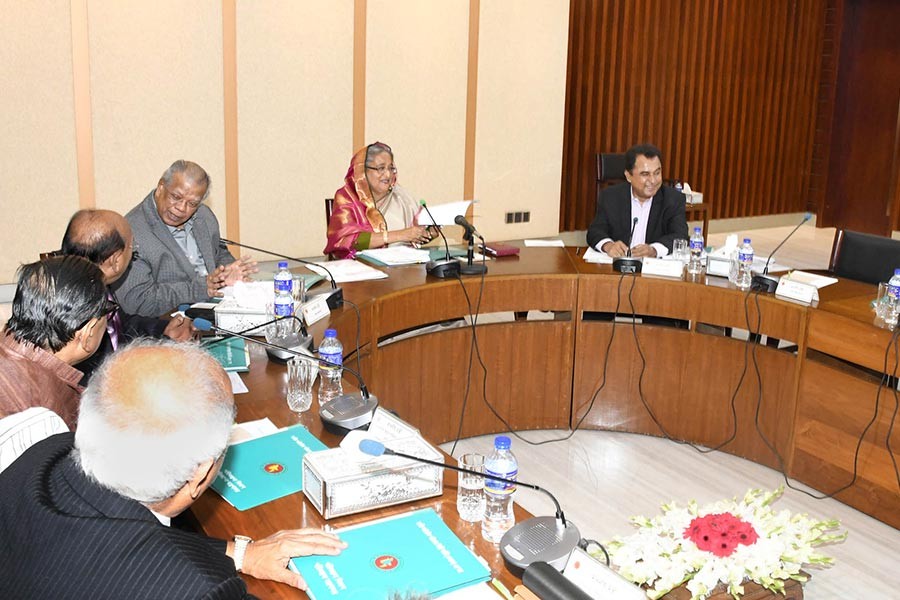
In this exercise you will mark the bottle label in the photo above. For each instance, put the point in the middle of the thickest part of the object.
(333, 358)
(894, 291)
(284, 285)
(284, 309)
(499, 488)
(745, 257)
(697, 245)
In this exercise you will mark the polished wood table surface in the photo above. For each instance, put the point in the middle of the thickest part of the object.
(267, 383)
(543, 331)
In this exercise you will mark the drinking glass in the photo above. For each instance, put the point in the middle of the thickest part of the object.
(299, 290)
(470, 491)
(681, 250)
(882, 304)
(301, 377)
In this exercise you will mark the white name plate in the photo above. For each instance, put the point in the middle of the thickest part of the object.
(599, 581)
(663, 267)
(789, 289)
(315, 310)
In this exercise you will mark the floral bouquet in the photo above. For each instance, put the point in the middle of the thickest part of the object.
(728, 542)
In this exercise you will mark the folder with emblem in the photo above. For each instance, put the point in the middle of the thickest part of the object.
(410, 552)
(265, 468)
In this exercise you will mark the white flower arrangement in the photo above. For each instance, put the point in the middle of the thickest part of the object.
(727, 542)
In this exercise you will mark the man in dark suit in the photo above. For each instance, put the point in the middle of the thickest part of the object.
(104, 237)
(87, 515)
(181, 257)
(659, 210)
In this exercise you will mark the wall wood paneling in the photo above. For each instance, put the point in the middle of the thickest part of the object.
(727, 90)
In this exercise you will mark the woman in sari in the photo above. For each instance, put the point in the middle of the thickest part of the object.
(371, 210)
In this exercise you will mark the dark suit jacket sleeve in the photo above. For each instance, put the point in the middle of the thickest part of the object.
(673, 220)
(605, 219)
(140, 293)
(137, 326)
(230, 589)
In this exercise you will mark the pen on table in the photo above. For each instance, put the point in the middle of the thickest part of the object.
(577, 250)
(501, 589)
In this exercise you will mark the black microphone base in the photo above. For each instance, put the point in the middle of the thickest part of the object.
(334, 297)
(539, 539)
(442, 268)
(473, 269)
(763, 283)
(627, 264)
(348, 411)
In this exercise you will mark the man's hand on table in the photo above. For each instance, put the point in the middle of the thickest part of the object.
(268, 558)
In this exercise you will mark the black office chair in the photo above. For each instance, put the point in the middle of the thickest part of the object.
(610, 169)
(864, 256)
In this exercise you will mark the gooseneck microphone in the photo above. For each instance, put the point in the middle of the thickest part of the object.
(347, 411)
(764, 283)
(627, 263)
(470, 268)
(278, 353)
(539, 539)
(334, 297)
(448, 267)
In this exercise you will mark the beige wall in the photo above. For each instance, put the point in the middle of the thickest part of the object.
(416, 91)
(38, 173)
(156, 93)
(295, 103)
(521, 108)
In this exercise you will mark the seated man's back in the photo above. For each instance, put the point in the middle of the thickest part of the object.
(65, 536)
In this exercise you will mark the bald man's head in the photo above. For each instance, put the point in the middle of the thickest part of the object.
(152, 413)
(103, 237)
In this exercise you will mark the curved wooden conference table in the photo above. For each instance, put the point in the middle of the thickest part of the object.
(545, 360)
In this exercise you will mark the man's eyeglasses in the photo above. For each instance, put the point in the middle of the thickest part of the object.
(384, 169)
(174, 200)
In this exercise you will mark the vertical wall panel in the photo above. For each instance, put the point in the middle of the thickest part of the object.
(156, 90)
(727, 90)
(416, 69)
(38, 170)
(521, 106)
(295, 102)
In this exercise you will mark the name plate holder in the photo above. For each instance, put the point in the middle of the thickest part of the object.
(796, 291)
(315, 310)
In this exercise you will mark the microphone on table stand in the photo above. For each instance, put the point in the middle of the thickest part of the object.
(470, 268)
(334, 296)
(764, 283)
(448, 267)
(347, 411)
(293, 340)
(627, 263)
(539, 539)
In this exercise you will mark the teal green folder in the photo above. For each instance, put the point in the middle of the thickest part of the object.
(232, 353)
(265, 468)
(415, 551)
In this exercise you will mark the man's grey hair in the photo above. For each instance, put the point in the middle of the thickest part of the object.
(152, 414)
(191, 171)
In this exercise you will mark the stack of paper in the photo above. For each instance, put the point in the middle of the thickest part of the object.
(393, 256)
(597, 257)
(412, 552)
(347, 270)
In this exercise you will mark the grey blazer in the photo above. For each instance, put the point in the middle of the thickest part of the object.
(161, 277)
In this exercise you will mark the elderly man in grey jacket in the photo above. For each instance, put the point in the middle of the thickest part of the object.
(179, 257)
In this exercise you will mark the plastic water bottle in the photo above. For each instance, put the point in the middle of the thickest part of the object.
(284, 300)
(893, 299)
(695, 264)
(498, 495)
(332, 351)
(745, 263)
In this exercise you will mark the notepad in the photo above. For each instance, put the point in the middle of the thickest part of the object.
(232, 353)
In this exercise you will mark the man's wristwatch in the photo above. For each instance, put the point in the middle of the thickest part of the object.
(240, 548)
